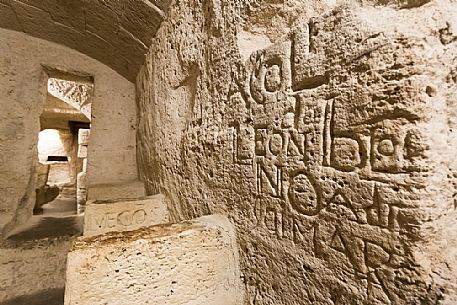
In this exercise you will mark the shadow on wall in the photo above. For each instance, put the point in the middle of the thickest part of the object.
(46, 297)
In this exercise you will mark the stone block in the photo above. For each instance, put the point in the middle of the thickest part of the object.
(82, 151)
(190, 263)
(124, 214)
(83, 136)
(81, 191)
(82, 180)
(134, 14)
(81, 196)
(102, 156)
(59, 173)
(85, 165)
(8, 18)
(130, 189)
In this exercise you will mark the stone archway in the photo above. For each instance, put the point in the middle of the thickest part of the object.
(103, 40)
(116, 33)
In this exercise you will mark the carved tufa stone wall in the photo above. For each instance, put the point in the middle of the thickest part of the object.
(331, 150)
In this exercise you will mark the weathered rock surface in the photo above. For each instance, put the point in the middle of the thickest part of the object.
(331, 148)
(190, 263)
(83, 137)
(81, 191)
(44, 193)
(325, 131)
(124, 214)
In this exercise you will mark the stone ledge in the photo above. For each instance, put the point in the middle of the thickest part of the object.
(193, 262)
(124, 214)
(125, 190)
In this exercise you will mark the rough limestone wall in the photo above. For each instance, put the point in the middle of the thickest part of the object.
(22, 97)
(331, 150)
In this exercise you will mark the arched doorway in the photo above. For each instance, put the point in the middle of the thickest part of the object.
(39, 39)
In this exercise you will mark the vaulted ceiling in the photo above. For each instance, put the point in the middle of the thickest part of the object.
(116, 32)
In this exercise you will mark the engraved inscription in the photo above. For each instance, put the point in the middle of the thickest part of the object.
(124, 215)
(302, 195)
(339, 164)
(269, 178)
(112, 220)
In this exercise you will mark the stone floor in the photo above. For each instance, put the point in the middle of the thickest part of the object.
(57, 218)
(47, 297)
(57, 222)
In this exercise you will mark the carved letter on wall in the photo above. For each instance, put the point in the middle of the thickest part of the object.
(303, 196)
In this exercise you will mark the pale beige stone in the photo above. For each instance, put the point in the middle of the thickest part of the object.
(23, 95)
(45, 194)
(129, 189)
(59, 173)
(42, 173)
(84, 168)
(191, 263)
(103, 216)
(332, 149)
(325, 130)
(83, 136)
(82, 151)
(77, 94)
(81, 191)
(57, 113)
